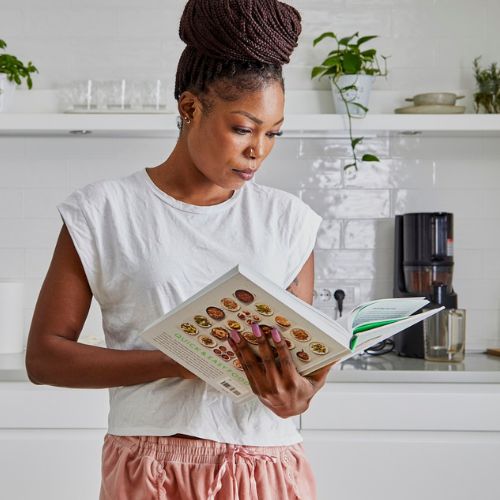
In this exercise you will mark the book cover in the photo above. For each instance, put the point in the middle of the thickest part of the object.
(195, 333)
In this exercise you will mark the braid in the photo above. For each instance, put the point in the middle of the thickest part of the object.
(242, 44)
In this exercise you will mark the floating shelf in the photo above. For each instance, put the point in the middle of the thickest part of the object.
(296, 125)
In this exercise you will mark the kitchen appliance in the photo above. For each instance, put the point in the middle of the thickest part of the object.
(423, 258)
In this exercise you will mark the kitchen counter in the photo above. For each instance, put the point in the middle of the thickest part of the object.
(390, 368)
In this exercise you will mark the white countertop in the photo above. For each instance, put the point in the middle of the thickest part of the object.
(391, 368)
(388, 368)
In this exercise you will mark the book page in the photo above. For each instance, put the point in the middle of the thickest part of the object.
(385, 311)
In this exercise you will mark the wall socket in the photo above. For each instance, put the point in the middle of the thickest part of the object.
(323, 296)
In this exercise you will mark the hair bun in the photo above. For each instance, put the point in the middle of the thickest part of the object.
(241, 30)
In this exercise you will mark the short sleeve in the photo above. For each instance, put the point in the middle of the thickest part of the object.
(75, 217)
(304, 227)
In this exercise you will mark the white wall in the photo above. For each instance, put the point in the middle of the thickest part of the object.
(431, 44)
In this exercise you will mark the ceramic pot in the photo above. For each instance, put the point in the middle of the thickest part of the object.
(360, 95)
(6, 93)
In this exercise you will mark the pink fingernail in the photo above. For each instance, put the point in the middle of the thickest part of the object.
(235, 336)
(256, 330)
(276, 335)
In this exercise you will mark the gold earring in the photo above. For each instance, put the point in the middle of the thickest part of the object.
(188, 121)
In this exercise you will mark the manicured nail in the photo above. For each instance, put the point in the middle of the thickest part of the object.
(276, 335)
(235, 336)
(256, 330)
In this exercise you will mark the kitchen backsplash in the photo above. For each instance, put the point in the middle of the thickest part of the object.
(431, 45)
(355, 244)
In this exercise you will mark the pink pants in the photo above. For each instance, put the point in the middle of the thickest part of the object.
(172, 468)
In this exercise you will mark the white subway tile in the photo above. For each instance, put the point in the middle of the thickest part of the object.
(353, 264)
(469, 264)
(11, 203)
(349, 203)
(482, 328)
(491, 265)
(36, 233)
(338, 264)
(492, 203)
(456, 173)
(313, 149)
(478, 293)
(472, 234)
(32, 287)
(462, 203)
(369, 234)
(71, 21)
(329, 234)
(12, 23)
(38, 261)
(42, 202)
(11, 262)
(369, 175)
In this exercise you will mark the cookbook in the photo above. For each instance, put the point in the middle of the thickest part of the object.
(195, 333)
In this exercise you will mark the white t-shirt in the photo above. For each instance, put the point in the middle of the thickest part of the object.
(145, 252)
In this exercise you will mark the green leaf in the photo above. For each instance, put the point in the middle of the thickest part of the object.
(360, 106)
(347, 39)
(352, 63)
(356, 141)
(331, 61)
(365, 39)
(329, 34)
(348, 87)
(317, 71)
(368, 157)
(2, 44)
(369, 54)
(333, 71)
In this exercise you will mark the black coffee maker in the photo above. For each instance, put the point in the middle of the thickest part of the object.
(423, 264)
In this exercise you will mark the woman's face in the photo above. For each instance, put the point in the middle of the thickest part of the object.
(229, 144)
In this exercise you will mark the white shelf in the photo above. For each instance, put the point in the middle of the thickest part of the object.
(296, 125)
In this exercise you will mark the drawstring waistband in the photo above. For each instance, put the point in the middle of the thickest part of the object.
(229, 462)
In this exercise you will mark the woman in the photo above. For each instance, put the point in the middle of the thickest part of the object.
(145, 243)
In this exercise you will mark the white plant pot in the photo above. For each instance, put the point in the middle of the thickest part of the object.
(361, 95)
(6, 93)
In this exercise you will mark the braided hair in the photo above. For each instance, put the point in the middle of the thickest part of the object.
(234, 46)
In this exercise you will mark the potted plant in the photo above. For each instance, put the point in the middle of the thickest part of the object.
(351, 70)
(487, 98)
(12, 72)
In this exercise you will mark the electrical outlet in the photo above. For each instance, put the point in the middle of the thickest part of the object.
(324, 295)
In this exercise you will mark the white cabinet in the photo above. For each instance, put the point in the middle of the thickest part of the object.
(50, 442)
(50, 464)
(404, 441)
(382, 441)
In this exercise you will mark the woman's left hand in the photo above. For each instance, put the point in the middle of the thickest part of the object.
(278, 385)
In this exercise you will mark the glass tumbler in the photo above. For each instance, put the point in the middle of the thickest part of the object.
(444, 336)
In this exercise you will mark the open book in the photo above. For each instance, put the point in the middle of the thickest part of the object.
(195, 333)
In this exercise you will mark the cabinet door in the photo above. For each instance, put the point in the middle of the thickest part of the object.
(50, 464)
(409, 465)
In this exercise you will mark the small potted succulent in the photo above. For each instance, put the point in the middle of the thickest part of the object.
(487, 98)
(12, 72)
(351, 70)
